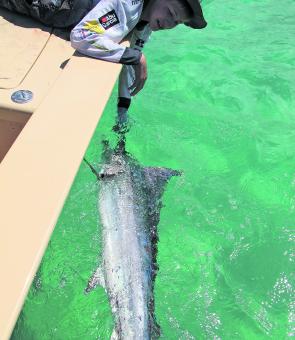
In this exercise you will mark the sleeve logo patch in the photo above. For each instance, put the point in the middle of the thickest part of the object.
(109, 20)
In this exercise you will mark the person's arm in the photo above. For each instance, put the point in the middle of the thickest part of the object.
(132, 78)
(140, 36)
(99, 33)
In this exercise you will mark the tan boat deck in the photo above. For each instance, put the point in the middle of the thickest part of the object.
(42, 144)
(31, 58)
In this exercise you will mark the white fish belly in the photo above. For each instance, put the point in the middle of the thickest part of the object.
(127, 258)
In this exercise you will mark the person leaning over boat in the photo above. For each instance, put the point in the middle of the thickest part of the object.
(100, 32)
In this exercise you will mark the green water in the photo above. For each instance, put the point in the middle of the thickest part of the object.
(219, 105)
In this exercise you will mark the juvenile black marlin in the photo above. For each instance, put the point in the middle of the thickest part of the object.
(129, 204)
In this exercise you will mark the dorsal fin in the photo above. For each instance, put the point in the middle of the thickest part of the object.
(156, 178)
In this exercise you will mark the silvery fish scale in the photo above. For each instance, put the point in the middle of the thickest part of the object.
(129, 205)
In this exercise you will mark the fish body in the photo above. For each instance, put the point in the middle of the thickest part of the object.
(129, 205)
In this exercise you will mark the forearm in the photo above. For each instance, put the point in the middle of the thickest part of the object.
(139, 37)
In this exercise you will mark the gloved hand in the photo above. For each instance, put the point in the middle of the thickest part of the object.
(140, 76)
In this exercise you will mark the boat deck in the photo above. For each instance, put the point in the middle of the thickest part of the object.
(32, 57)
(42, 143)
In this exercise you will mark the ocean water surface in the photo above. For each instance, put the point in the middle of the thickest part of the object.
(219, 104)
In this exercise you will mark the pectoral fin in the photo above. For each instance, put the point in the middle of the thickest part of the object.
(96, 279)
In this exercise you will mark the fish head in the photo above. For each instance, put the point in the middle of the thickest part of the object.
(115, 165)
(115, 161)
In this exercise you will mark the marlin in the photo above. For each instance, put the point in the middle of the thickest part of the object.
(129, 203)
